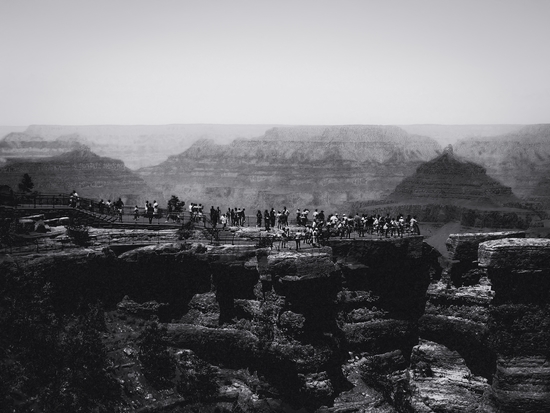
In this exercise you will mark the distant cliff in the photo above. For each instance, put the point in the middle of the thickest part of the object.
(23, 145)
(91, 175)
(448, 179)
(519, 159)
(314, 166)
(144, 145)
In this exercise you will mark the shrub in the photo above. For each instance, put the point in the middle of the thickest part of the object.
(158, 363)
(197, 380)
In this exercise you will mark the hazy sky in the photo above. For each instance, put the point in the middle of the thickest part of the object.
(284, 62)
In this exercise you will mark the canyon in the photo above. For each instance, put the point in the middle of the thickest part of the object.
(136, 145)
(336, 168)
(315, 166)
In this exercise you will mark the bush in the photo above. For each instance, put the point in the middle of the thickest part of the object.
(197, 380)
(158, 363)
(53, 360)
(264, 324)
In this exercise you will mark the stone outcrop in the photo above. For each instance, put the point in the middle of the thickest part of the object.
(491, 308)
(366, 325)
(450, 179)
(519, 270)
(517, 254)
(336, 164)
(463, 251)
(442, 382)
(292, 316)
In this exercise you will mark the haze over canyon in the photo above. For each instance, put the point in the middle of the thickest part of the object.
(260, 166)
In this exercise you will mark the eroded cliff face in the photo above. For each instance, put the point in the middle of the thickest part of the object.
(144, 145)
(91, 175)
(295, 166)
(359, 325)
(19, 145)
(293, 317)
(490, 307)
(518, 159)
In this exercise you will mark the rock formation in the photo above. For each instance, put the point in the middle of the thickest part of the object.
(143, 145)
(448, 179)
(519, 159)
(358, 325)
(301, 166)
(491, 307)
(18, 145)
(91, 175)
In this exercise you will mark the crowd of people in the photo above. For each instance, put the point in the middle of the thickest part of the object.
(321, 227)
(313, 227)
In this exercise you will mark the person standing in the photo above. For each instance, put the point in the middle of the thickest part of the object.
(298, 238)
(267, 220)
(150, 212)
(119, 205)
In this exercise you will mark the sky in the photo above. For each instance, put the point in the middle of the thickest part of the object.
(128, 62)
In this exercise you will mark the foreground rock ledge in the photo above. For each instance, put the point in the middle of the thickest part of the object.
(525, 254)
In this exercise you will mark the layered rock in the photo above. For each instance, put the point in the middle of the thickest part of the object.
(349, 326)
(143, 145)
(18, 145)
(491, 307)
(282, 313)
(519, 270)
(442, 382)
(295, 166)
(463, 251)
(518, 159)
(448, 179)
(91, 175)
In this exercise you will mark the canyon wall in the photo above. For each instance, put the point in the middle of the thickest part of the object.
(19, 145)
(143, 145)
(313, 166)
(357, 325)
(519, 159)
(91, 175)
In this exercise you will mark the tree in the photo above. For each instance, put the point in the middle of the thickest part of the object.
(176, 204)
(26, 184)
